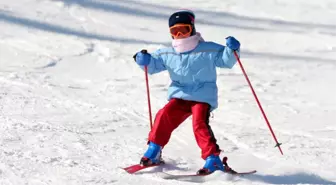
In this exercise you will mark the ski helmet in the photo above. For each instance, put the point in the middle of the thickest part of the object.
(183, 17)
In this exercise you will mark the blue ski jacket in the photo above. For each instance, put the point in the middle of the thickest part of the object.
(193, 73)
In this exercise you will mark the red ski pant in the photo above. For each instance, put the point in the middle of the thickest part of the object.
(174, 113)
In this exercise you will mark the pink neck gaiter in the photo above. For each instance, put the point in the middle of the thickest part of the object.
(187, 44)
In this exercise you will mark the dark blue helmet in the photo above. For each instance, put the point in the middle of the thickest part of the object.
(183, 17)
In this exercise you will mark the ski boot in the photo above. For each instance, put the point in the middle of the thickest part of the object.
(213, 163)
(152, 156)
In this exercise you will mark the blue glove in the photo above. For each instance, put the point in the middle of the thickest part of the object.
(142, 58)
(232, 43)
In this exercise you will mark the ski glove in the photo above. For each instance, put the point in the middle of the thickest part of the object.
(232, 43)
(142, 58)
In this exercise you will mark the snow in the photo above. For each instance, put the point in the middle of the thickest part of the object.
(73, 106)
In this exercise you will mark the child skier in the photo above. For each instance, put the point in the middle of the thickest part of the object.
(191, 63)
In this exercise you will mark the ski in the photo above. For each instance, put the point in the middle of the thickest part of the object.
(186, 176)
(137, 167)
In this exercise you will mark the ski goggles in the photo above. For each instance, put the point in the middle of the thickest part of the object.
(179, 30)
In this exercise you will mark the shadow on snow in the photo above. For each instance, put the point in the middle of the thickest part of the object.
(211, 18)
(66, 31)
(297, 178)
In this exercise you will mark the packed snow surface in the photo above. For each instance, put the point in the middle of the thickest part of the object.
(73, 104)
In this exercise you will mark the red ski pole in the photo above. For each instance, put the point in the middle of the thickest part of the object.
(258, 102)
(148, 98)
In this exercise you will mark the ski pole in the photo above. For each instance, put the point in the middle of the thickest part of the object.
(147, 87)
(258, 102)
(148, 98)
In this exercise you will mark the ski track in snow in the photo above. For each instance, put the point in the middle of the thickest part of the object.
(73, 107)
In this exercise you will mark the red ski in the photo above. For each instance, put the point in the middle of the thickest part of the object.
(190, 176)
(137, 167)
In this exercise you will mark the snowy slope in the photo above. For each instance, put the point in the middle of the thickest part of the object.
(73, 103)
